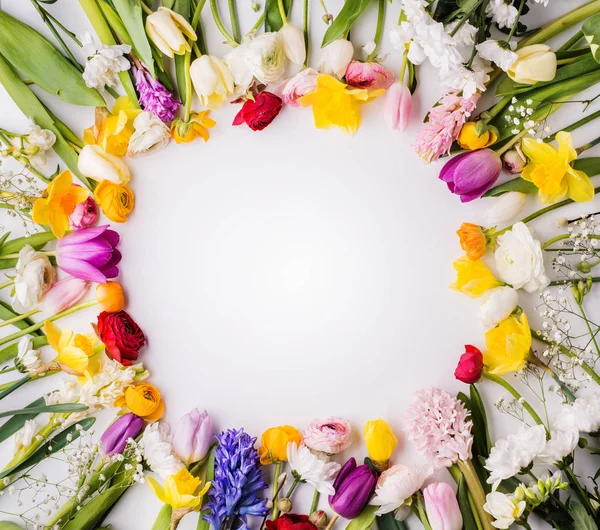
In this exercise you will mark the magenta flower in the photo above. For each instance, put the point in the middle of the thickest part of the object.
(369, 75)
(397, 106)
(471, 174)
(90, 254)
(154, 97)
(114, 439)
(84, 214)
(354, 486)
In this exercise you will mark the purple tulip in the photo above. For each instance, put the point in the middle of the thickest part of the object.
(354, 486)
(115, 437)
(193, 436)
(89, 254)
(471, 174)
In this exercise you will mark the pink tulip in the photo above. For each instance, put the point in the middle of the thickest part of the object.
(397, 106)
(193, 436)
(442, 507)
(369, 75)
(63, 294)
(295, 87)
(84, 214)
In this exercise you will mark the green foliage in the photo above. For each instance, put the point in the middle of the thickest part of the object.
(365, 520)
(347, 16)
(591, 32)
(273, 21)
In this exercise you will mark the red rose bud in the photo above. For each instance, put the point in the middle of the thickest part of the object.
(121, 335)
(470, 365)
(260, 112)
(291, 521)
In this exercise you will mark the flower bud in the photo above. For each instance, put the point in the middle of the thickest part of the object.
(506, 207)
(327, 18)
(293, 43)
(84, 214)
(110, 297)
(64, 294)
(534, 64)
(193, 436)
(471, 139)
(562, 222)
(319, 519)
(285, 505)
(168, 30)
(584, 267)
(397, 106)
(472, 240)
(335, 58)
(513, 161)
(442, 507)
(471, 174)
(470, 365)
(354, 486)
(380, 440)
(497, 304)
(371, 75)
(115, 437)
(98, 165)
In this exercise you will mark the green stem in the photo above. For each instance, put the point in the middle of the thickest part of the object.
(514, 393)
(219, 23)
(257, 24)
(315, 502)
(282, 12)
(516, 23)
(235, 23)
(292, 488)
(571, 42)
(18, 318)
(305, 28)
(587, 146)
(275, 513)
(575, 125)
(188, 85)
(6, 284)
(589, 327)
(378, 29)
(476, 490)
(421, 513)
(579, 491)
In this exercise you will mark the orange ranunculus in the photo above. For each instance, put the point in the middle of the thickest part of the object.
(58, 202)
(110, 297)
(197, 125)
(115, 200)
(472, 240)
(144, 401)
(274, 443)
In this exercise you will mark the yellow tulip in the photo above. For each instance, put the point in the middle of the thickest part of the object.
(473, 278)
(468, 139)
(180, 490)
(550, 170)
(335, 104)
(508, 346)
(274, 443)
(380, 439)
(534, 64)
(58, 202)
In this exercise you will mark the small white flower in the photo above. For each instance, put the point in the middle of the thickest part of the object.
(158, 451)
(28, 360)
(311, 468)
(395, 486)
(496, 305)
(497, 52)
(502, 12)
(104, 63)
(24, 436)
(560, 444)
(583, 414)
(465, 34)
(43, 139)
(505, 509)
(149, 134)
(34, 276)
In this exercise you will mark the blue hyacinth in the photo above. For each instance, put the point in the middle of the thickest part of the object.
(238, 479)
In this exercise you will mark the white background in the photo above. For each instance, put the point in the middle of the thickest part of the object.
(292, 273)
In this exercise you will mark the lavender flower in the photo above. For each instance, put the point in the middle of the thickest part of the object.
(238, 479)
(154, 97)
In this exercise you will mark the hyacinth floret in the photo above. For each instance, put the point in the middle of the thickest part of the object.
(154, 97)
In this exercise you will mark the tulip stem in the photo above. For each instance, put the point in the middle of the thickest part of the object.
(219, 23)
(571, 42)
(235, 23)
(332, 521)
(146, 9)
(188, 86)
(276, 489)
(378, 29)
(514, 393)
(315, 502)
(282, 12)
(18, 318)
(6, 284)
(472, 480)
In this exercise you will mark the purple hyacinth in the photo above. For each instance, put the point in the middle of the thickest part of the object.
(154, 97)
(238, 479)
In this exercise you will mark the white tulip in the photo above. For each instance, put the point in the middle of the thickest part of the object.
(34, 274)
(336, 57)
(293, 43)
(168, 30)
(496, 305)
(94, 163)
(212, 80)
(149, 134)
(506, 207)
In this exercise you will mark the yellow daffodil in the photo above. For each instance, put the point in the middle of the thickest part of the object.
(197, 126)
(508, 345)
(58, 202)
(180, 490)
(473, 278)
(75, 351)
(468, 138)
(550, 170)
(335, 104)
(112, 130)
(274, 443)
(380, 439)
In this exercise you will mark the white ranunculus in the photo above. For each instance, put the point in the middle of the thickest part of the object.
(510, 455)
(158, 451)
(293, 43)
(104, 63)
(496, 305)
(560, 444)
(99, 165)
(583, 414)
(28, 360)
(149, 134)
(212, 80)
(312, 469)
(506, 207)
(34, 274)
(395, 485)
(519, 259)
(336, 57)
(499, 53)
(24, 436)
(505, 509)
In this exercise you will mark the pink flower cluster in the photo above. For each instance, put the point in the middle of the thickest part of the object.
(437, 424)
(446, 119)
(331, 436)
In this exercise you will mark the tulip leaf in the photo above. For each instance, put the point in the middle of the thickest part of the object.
(7, 312)
(15, 423)
(92, 514)
(163, 519)
(38, 60)
(591, 32)
(389, 522)
(341, 25)
(38, 241)
(480, 423)
(208, 477)
(9, 525)
(365, 520)
(273, 21)
(41, 409)
(518, 184)
(14, 385)
(462, 495)
(131, 14)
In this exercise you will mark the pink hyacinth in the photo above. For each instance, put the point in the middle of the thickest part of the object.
(437, 424)
(445, 122)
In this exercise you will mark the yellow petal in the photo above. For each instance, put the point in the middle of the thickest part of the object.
(157, 489)
(74, 358)
(41, 211)
(59, 223)
(538, 152)
(53, 333)
(581, 188)
(566, 152)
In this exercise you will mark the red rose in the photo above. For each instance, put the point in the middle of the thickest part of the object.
(260, 112)
(291, 521)
(121, 335)
(470, 365)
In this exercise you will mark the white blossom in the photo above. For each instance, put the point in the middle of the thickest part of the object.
(149, 134)
(396, 485)
(34, 274)
(312, 469)
(502, 13)
(505, 509)
(24, 436)
(28, 360)
(158, 450)
(560, 444)
(497, 52)
(104, 63)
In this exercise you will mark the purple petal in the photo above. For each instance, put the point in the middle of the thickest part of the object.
(111, 237)
(81, 236)
(447, 172)
(80, 269)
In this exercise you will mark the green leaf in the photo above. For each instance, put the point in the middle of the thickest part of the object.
(209, 477)
(480, 424)
(10, 352)
(7, 312)
(591, 32)
(8, 525)
(163, 519)
(365, 520)
(389, 522)
(581, 519)
(590, 165)
(14, 385)
(130, 12)
(41, 409)
(37, 241)
(38, 60)
(3, 239)
(518, 184)
(14, 424)
(462, 495)
(273, 21)
(93, 512)
(341, 25)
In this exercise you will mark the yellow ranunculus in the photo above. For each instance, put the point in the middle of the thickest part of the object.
(144, 400)
(116, 200)
(58, 202)
(508, 345)
(179, 490)
(473, 278)
(274, 443)
(380, 439)
(468, 139)
(335, 104)
(550, 170)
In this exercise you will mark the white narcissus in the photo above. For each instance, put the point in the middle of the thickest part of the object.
(496, 305)
(335, 58)
(519, 259)
(505, 509)
(395, 485)
(98, 165)
(312, 469)
(34, 274)
(506, 207)
(149, 134)
(293, 43)
(212, 80)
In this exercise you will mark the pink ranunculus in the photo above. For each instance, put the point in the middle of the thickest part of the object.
(331, 436)
(442, 507)
(369, 75)
(63, 294)
(397, 106)
(84, 214)
(294, 88)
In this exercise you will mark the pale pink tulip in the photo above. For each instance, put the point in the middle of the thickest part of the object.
(369, 75)
(63, 294)
(397, 106)
(193, 436)
(442, 507)
(294, 88)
